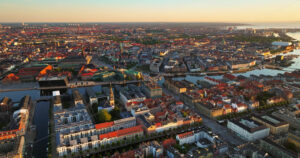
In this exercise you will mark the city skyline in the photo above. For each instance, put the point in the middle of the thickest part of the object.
(149, 78)
(149, 11)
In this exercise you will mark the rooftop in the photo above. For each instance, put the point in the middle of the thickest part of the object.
(270, 119)
(249, 124)
(122, 132)
(104, 125)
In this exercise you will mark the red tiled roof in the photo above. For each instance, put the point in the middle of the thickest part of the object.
(227, 106)
(122, 132)
(241, 105)
(158, 124)
(158, 114)
(93, 70)
(179, 103)
(131, 130)
(168, 142)
(229, 76)
(12, 76)
(87, 74)
(187, 134)
(108, 135)
(10, 136)
(132, 103)
(104, 125)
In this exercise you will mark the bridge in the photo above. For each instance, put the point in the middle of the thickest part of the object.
(75, 84)
(190, 73)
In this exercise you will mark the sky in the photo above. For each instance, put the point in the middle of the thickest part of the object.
(150, 11)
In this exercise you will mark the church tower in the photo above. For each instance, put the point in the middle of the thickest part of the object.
(111, 97)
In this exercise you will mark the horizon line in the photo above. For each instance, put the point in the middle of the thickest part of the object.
(154, 22)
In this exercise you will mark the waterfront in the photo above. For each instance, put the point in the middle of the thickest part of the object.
(286, 25)
(41, 116)
(36, 94)
(271, 72)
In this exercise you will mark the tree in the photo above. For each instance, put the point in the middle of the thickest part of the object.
(115, 113)
(290, 146)
(107, 153)
(93, 156)
(104, 116)
(137, 138)
(95, 107)
(185, 114)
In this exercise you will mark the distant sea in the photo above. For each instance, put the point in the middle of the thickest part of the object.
(283, 25)
(294, 25)
(295, 35)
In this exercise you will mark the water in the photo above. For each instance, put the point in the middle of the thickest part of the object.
(295, 35)
(41, 118)
(285, 25)
(271, 72)
(16, 96)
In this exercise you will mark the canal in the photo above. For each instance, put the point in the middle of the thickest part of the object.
(41, 118)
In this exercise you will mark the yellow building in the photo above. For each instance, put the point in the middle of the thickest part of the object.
(209, 110)
(191, 97)
(175, 86)
(276, 125)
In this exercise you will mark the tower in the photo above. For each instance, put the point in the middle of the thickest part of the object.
(111, 97)
(223, 41)
(121, 48)
(83, 50)
(121, 53)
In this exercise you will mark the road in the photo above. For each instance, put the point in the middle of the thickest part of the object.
(141, 140)
(224, 132)
(30, 133)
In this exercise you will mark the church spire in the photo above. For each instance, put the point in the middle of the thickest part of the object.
(111, 97)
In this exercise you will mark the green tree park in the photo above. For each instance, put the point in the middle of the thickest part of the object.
(103, 116)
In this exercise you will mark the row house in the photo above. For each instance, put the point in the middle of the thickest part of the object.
(122, 134)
